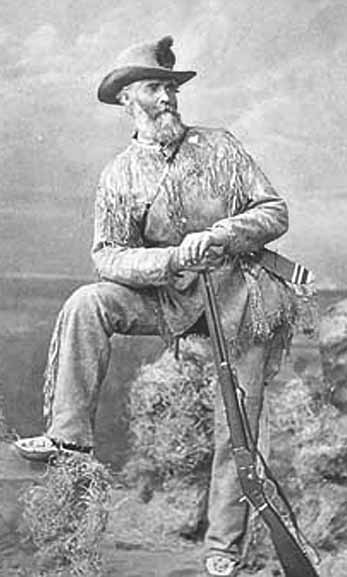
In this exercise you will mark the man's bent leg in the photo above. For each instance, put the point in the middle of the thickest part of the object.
(227, 515)
(80, 352)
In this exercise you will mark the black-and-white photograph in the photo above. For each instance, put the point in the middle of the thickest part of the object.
(173, 282)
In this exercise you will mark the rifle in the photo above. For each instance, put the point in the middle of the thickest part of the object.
(292, 557)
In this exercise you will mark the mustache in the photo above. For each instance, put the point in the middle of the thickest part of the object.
(167, 109)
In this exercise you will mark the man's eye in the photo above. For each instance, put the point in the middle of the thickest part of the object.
(153, 87)
(173, 88)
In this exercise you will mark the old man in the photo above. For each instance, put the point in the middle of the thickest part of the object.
(178, 199)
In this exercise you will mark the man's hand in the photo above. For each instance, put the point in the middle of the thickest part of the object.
(200, 250)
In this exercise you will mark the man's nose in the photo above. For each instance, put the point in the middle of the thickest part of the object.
(164, 94)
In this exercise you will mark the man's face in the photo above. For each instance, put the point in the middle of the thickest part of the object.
(156, 97)
(154, 102)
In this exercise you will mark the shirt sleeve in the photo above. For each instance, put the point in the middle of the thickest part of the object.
(258, 215)
(117, 252)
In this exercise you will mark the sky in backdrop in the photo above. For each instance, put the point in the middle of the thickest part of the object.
(272, 71)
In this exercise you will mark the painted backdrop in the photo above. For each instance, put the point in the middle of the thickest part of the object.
(272, 71)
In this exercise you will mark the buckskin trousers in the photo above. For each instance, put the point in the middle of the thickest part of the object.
(79, 355)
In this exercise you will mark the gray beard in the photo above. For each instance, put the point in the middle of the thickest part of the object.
(168, 128)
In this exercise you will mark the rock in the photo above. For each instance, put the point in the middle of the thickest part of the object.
(333, 350)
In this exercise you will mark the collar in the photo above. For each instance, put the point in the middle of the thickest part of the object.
(169, 150)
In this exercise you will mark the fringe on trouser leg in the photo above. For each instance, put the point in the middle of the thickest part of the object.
(50, 374)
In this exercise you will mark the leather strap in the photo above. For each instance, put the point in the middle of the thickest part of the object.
(282, 267)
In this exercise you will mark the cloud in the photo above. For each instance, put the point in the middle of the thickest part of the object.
(4, 37)
(41, 43)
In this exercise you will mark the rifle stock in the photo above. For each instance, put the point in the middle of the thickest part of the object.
(293, 559)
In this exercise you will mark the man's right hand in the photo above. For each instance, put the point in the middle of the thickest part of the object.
(198, 251)
(213, 257)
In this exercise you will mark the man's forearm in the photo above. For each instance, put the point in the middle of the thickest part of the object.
(136, 267)
(257, 226)
(262, 217)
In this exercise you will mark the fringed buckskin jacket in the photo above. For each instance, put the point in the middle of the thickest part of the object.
(148, 199)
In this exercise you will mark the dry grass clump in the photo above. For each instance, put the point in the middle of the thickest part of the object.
(293, 412)
(323, 454)
(66, 516)
(171, 415)
(171, 428)
(310, 454)
(292, 407)
(320, 462)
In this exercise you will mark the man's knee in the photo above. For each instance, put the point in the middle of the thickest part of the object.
(109, 303)
(85, 298)
(119, 308)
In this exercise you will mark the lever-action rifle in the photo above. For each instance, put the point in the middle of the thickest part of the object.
(293, 559)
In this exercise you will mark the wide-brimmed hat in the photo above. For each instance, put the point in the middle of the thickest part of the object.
(142, 62)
